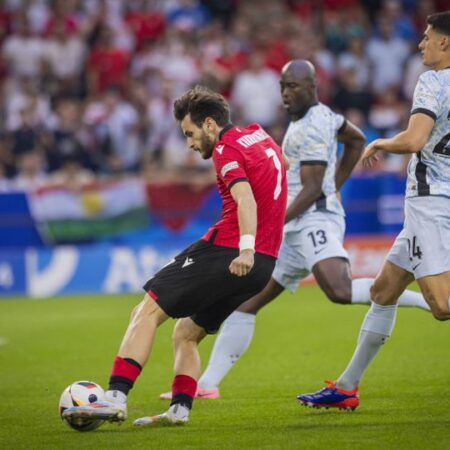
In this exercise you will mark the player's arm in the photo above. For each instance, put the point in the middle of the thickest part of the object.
(353, 139)
(311, 174)
(247, 218)
(412, 140)
(286, 162)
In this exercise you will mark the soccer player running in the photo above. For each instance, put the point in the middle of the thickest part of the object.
(212, 277)
(315, 224)
(422, 249)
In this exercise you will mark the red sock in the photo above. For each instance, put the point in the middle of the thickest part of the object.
(124, 374)
(184, 388)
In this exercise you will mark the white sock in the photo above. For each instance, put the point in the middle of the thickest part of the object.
(230, 345)
(376, 328)
(361, 290)
(411, 298)
(361, 294)
(116, 397)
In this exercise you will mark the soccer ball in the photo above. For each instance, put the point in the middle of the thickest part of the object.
(78, 394)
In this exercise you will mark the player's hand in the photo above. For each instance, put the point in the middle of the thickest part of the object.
(242, 265)
(370, 154)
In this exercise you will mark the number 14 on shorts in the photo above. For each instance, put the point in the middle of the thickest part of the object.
(414, 249)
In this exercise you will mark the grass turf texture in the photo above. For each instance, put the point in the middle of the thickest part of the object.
(299, 341)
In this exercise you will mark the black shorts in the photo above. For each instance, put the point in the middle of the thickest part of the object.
(198, 283)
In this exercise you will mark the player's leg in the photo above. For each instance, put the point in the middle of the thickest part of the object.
(237, 331)
(376, 328)
(329, 261)
(133, 354)
(334, 278)
(187, 367)
(436, 290)
(234, 339)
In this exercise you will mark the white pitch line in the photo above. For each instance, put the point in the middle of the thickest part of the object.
(3, 340)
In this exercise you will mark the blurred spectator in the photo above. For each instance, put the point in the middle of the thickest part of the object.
(30, 174)
(63, 55)
(350, 94)
(71, 174)
(108, 64)
(403, 24)
(146, 23)
(23, 52)
(117, 120)
(414, 68)
(387, 112)
(256, 93)
(25, 96)
(354, 59)
(65, 140)
(161, 122)
(387, 55)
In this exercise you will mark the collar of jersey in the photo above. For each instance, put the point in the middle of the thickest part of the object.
(227, 127)
(304, 112)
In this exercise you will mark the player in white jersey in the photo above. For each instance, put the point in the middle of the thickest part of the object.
(315, 225)
(422, 250)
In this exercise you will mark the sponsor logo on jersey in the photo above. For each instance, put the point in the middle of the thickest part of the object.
(220, 148)
(229, 166)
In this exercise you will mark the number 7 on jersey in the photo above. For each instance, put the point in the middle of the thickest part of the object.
(271, 153)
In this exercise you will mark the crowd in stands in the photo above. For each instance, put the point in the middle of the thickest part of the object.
(87, 86)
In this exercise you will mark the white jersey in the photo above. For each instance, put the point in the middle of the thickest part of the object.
(429, 169)
(312, 140)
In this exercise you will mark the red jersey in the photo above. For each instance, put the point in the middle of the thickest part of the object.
(250, 154)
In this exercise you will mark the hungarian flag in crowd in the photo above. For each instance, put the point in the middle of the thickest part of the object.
(96, 211)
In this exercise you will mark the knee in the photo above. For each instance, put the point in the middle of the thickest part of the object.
(147, 312)
(379, 295)
(183, 333)
(439, 313)
(341, 295)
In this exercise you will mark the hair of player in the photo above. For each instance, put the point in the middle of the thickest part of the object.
(440, 22)
(201, 102)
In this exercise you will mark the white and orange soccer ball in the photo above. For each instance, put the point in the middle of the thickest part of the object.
(81, 393)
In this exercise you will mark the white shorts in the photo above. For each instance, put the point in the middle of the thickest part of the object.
(312, 238)
(423, 246)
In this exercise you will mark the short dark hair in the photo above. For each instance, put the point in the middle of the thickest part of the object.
(440, 22)
(201, 102)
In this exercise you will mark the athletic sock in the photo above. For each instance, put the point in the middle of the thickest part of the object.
(361, 294)
(415, 299)
(124, 374)
(230, 345)
(361, 290)
(376, 328)
(184, 388)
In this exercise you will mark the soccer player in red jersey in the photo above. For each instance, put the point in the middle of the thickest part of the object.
(208, 280)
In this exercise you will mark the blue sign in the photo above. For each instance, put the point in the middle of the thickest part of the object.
(12, 273)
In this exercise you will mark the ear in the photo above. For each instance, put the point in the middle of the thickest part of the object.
(445, 43)
(210, 123)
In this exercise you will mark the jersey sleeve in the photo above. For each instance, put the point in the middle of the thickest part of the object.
(339, 122)
(230, 165)
(427, 95)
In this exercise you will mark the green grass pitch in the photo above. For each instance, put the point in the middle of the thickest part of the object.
(300, 340)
